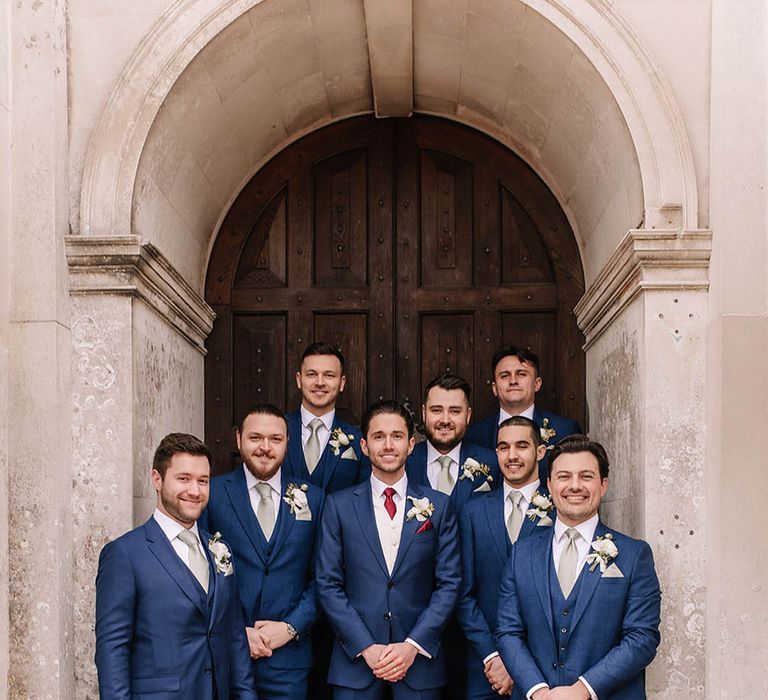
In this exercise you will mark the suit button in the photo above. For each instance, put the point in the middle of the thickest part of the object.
(387, 616)
(210, 603)
(562, 665)
(266, 572)
(554, 664)
(562, 648)
(391, 584)
(565, 612)
(564, 630)
(208, 670)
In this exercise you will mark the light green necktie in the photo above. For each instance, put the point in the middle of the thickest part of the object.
(444, 479)
(515, 519)
(312, 446)
(566, 569)
(265, 511)
(198, 564)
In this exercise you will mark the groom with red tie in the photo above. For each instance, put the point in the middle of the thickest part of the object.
(388, 571)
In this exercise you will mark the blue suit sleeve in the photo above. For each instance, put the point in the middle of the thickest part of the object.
(241, 682)
(640, 629)
(470, 616)
(304, 615)
(429, 626)
(115, 602)
(511, 633)
(351, 631)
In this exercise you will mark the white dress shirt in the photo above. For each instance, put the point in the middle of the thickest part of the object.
(171, 530)
(583, 545)
(434, 468)
(527, 413)
(391, 529)
(323, 434)
(253, 495)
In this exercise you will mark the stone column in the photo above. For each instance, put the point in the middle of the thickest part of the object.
(138, 333)
(39, 472)
(645, 322)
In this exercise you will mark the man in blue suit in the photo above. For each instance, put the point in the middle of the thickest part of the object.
(388, 571)
(168, 619)
(322, 448)
(489, 526)
(579, 607)
(516, 380)
(270, 519)
(448, 463)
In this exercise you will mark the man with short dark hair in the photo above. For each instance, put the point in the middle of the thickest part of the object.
(388, 571)
(270, 520)
(579, 608)
(168, 617)
(323, 449)
(489, 526)
(516, 381)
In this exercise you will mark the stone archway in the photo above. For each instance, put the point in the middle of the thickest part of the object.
(195, 114)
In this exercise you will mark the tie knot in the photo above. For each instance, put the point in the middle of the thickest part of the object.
(515, 497)
(188, 538)
(264, 489)
(315, 424)
(445, 461)
(572, 534)
(389, 492)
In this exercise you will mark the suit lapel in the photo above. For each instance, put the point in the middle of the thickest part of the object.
(237, 492)
(417, 465)
(529, 526)
(363, 505)
(541, 565)
(409, 529)
(295, 450)
(163, 550)
(494, 512)
(589, 581)
(213, 600)
(285, 519)
(328, 460)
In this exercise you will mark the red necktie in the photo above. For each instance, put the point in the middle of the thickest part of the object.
(389, 502)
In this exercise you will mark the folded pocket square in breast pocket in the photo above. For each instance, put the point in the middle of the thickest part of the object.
(485, 486)
(349, 453)
(613, 571)
(426, 526)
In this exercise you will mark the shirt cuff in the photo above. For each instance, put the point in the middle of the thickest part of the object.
(421, 649)
(490, 656)
(592, 693)
(534, 689)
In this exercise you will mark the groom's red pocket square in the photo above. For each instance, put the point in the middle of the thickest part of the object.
(426, 526)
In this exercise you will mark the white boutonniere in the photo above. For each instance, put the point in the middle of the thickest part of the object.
(340, 439)
(547, 433)
(541, 507)
(421, 510)
(222, 557)
(604, 551)
(296, 498)
(472, 468)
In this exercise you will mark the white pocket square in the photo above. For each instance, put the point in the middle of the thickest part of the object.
(612, 571)
(485, 486)
(349, 453)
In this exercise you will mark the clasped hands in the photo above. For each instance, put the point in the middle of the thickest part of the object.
(390, 662)
(577, 691)
(497, 676)
(267, 635)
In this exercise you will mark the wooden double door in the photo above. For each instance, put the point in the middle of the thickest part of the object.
(417, 245)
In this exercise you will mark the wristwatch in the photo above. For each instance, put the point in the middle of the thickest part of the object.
(292, 631)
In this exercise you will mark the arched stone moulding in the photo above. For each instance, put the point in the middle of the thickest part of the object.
(646, 102)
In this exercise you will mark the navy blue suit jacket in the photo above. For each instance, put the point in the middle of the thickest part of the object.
(485, 549)
(464, 489)
(366, 605)
(158, 633)
(485, 433)
(334, 471)
(613, 623)
(275, 578)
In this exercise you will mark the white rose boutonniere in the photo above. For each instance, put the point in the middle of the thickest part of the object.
(340, 439)
(547, 433)
(541, 507)
(604, 551)
(296, 498)
(422, 509)
(222, 557)
(472, 468)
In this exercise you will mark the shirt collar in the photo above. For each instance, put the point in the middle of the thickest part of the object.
(433, 454)
(378, 486)
(307, 418)
(528, 490)
(170, 527)
(527, 413)
(274, 481)
(586, 529)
